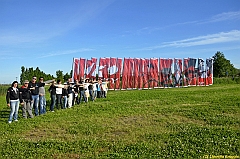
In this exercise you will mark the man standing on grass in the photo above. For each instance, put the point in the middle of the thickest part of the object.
(25, 94)
(42, 99)
(34, 87)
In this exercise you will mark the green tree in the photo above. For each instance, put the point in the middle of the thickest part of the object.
(59, 75)
(66, 77)
(222, 67)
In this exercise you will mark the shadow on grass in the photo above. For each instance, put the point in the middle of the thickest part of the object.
(4, 115)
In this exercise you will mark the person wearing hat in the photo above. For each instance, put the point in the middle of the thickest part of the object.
(26, 97)
(13, 98)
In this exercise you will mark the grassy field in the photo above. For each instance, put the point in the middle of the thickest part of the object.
(194, 122)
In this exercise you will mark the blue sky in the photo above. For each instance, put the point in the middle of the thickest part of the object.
(49, 33)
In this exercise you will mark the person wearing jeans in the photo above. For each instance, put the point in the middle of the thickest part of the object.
(34, 87)
(25, 94)
(13, 97)
(64, 96)
(52, 90)
(42, 99)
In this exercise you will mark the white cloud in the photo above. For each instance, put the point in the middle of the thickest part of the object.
(225, 16)
(221, 37)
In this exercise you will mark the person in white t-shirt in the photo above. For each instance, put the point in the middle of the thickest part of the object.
(59, 94)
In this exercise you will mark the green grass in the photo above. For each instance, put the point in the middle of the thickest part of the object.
(192, 122)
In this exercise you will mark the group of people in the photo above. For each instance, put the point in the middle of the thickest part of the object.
(31, 95)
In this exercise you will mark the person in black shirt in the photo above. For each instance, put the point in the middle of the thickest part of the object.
(13, 97)
(26, 96)
(90, 89)
(34, 87)
(52, 90)
(65, 95)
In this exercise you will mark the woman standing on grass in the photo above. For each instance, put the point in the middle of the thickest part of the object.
(13, 98)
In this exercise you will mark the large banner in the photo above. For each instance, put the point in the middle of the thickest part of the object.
(178, 72)
(112, 73)
(145, 73)
(153, 73)
(136, 72)
(191, 71)
(166, 72)
(125, 73)
(130, 73)
(185, 73)
(75, 69)
(139, 73)
(209, 71)
(118, 73)
(201, 72)
(106, 70)
(81, 68)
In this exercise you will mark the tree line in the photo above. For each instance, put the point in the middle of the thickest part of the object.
(28, 73)
(222, 67)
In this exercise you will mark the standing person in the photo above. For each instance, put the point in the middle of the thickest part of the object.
(65, 95)
(26, 96)
(76, 91)
(34, 87)
(99, 89)
(70, 94)
(85, 88)
(13, 98)
(82, 92)
(52, 90)
(104, 89)
(59, 94)
(42, 99)
(94, 89)
(90, 89)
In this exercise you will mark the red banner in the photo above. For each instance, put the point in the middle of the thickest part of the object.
(153, 69)
(101, 68)
(130, 74)
(178, 72)
(94, 70)
(141, 73)
(209, 71)
(161, 73)
(88, 68)
(185, 72)
(201, 72)
(125, 73)
(145, 74)
(75, 69)
(191, 71)
(81, 68)
(151, 73)
(166, 72)
(136, 73)
(169, 66)
(112, 73)
(118, 73)
(106, 70)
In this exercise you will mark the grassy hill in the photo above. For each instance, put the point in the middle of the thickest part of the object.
(189, 122)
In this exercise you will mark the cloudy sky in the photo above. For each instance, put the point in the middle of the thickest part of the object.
(49, 33)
